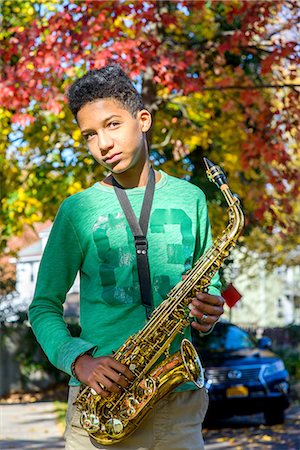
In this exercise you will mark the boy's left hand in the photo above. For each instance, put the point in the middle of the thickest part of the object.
(207, 309)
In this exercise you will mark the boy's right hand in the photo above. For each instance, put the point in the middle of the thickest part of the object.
(104, 374)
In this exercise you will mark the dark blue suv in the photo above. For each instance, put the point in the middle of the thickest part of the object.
(243, 376)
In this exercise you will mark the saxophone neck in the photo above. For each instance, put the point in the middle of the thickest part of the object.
(217, 176)
(236, 222)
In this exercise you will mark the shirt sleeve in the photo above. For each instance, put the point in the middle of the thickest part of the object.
(204, 242)
(60, 263)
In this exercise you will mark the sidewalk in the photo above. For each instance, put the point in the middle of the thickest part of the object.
(249, 433)
(29, 426)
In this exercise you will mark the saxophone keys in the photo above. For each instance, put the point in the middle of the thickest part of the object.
(130, 412)
(123, 414)
(90, 422)
(132, 367)
(133, 402)
(114, 426)
(149, 386)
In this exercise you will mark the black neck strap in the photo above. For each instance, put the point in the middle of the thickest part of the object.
(139, 231)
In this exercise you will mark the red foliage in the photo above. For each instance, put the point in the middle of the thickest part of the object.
(38, 59)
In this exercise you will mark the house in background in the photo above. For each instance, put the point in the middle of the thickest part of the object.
(269, 299)
(27, 266)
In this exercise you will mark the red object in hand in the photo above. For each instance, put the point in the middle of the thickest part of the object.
(231, 295)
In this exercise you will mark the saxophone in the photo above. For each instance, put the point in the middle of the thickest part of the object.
(111, 419)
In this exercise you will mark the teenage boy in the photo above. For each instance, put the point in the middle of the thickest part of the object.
(91, 235)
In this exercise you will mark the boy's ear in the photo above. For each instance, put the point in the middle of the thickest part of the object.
(145, 119)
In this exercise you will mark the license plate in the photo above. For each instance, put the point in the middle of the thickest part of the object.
(237, 391)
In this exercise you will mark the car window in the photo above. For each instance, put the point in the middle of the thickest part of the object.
(227, 338)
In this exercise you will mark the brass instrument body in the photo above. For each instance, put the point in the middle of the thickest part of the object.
(134, 405)
(111, 419)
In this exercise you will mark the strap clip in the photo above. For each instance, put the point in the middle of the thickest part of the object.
(141, 245)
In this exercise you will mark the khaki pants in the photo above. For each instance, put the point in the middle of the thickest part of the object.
(174, 424)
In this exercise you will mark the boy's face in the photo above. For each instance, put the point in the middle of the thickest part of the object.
(115, 138)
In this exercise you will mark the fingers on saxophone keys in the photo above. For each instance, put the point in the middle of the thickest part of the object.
(212, 310)
(204, 318)
(122, 381)
(198, 313)
(98, 388)
(221, 301)
(216, 310)
(208, 299)
(123, 371)
(108, 387)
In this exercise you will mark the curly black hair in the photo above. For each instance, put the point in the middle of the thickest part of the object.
(109, 82)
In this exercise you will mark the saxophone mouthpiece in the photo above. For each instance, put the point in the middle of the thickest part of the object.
(214, 173)
(208, 164)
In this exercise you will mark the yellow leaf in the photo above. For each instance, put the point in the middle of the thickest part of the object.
(76, 135)
(30, 66)
(35, 218)
(266, 438)
(73, 188)
(118, 22)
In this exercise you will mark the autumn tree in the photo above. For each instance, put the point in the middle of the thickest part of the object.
(219, 78)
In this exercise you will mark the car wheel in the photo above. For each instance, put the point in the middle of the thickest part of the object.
(274, 417)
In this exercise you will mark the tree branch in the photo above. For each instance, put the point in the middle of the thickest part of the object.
(165, 142)
(251, 88)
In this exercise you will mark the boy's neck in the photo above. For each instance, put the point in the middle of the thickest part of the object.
(131, 178)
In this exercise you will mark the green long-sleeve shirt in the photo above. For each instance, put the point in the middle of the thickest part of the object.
(91, 235)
